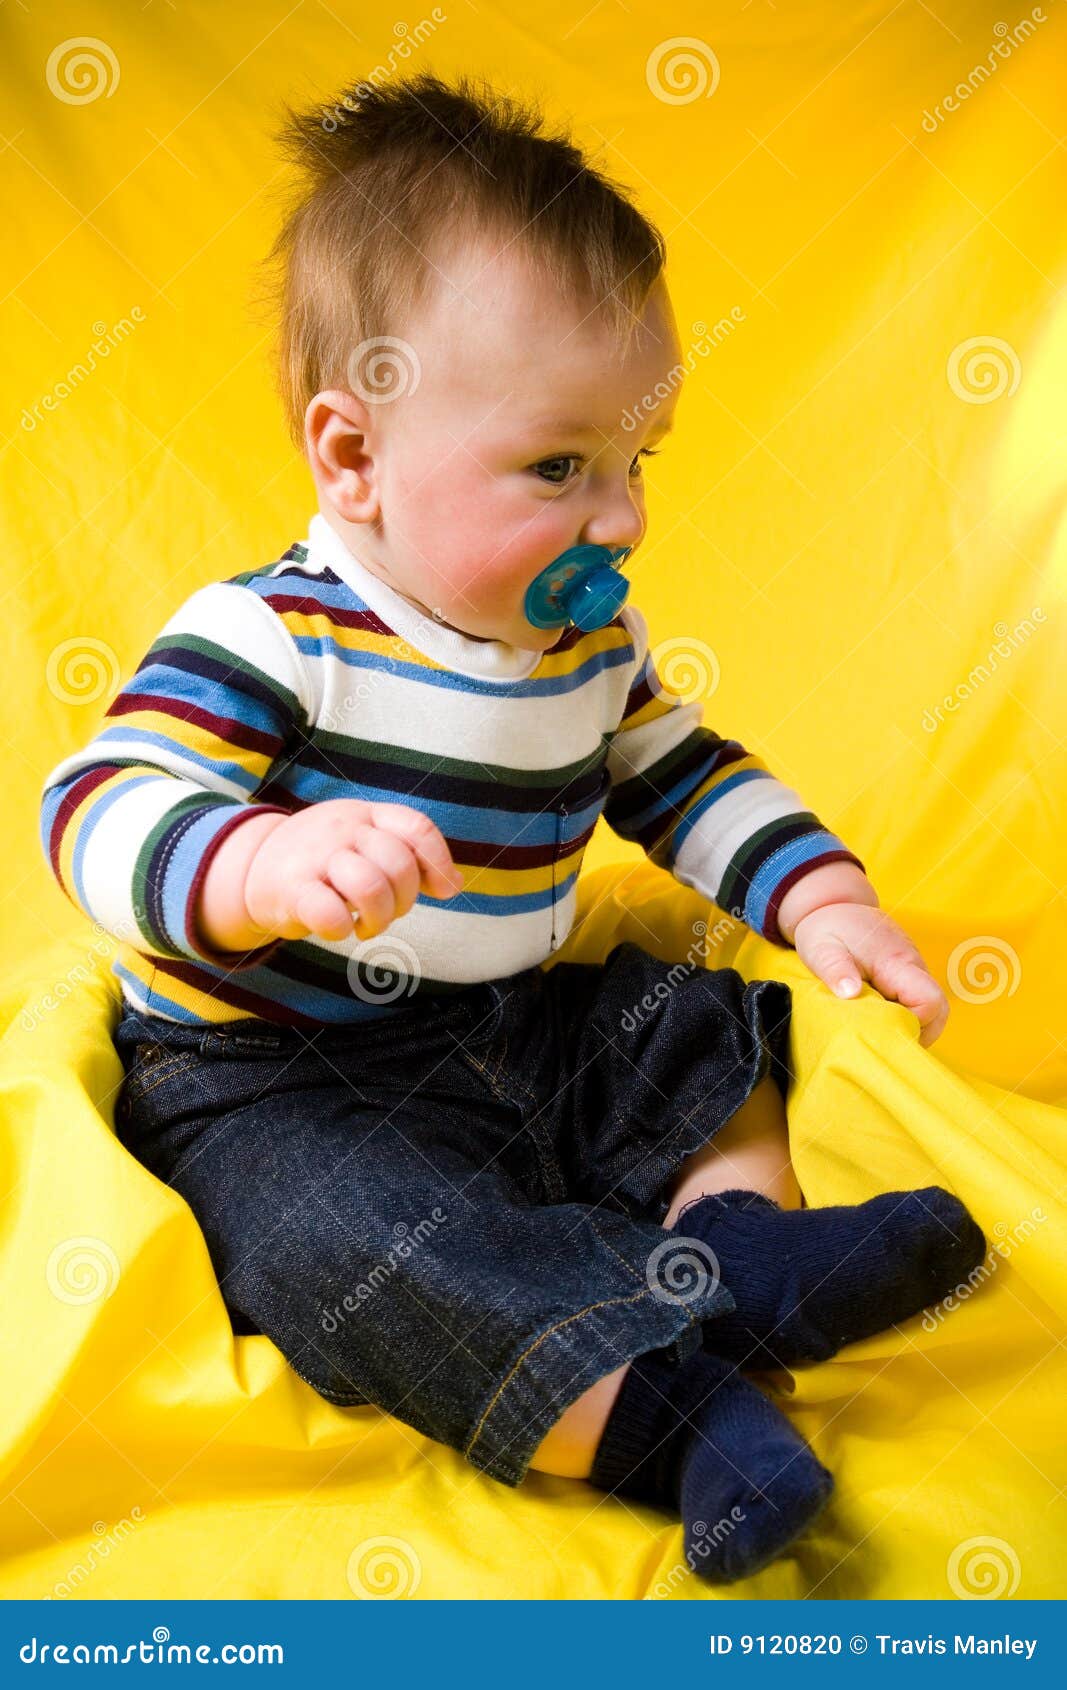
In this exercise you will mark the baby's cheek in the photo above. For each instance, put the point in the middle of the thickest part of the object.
(479, 578)
(485, 549)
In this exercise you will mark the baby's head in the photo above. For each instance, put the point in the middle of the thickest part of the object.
(477, 345)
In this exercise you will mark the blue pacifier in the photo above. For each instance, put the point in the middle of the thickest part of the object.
(579, 586)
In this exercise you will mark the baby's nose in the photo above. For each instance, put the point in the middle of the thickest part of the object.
(618, 530)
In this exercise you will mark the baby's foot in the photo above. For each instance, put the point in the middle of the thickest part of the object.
(700, 1439)
(807, 1281)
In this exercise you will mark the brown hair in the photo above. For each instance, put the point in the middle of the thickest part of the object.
(391, 173)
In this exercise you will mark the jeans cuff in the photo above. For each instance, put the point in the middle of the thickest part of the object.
(561, 1364)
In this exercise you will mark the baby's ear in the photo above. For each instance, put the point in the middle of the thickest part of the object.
(338, 408)
(341, 439)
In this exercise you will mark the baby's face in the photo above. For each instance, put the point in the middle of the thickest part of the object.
(523, 436)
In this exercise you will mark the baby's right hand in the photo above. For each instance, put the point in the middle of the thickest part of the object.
(315, 867)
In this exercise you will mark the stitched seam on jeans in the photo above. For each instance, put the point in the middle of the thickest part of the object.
(336, 1397)
(499, 1069)
(491, 1076)
(605, 1303)
(486, 1029)
(186, 1060)
(482, 1071)
(554, 1186)
(515, 1083)
(615, 1253)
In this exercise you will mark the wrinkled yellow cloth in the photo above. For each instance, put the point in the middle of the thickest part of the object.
(149, 1451)
(857, 550)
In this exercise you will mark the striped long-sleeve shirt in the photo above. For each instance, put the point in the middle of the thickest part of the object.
(311, 678)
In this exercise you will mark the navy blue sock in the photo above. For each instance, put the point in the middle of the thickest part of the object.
(807, 1281)
(699, 1439)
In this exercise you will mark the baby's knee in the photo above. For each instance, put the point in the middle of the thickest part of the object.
(750, 1153)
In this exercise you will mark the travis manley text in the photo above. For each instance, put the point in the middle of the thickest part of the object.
(1006, 1645)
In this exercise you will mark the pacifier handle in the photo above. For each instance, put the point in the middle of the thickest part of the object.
(580, 586)
(596, 598)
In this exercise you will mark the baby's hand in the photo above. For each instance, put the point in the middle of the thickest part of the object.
(843, 942)
(316, 867)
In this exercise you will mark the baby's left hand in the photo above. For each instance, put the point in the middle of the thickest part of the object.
(845, 942)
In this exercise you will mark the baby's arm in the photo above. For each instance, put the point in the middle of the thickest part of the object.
(711, 812)
(713, 815)
(130, 823)
(290, 876)
(833, 883)
(842, 934)
(153, 828)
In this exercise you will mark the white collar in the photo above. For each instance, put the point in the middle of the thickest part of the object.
(491, 660)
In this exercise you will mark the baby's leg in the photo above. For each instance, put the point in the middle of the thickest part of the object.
(699, 1435)
(751, 1153)
(805, 1282)
(369, 1211)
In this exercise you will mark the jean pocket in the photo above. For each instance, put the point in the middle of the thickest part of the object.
(166, 1088)
(174, 1102)
(152, 1066)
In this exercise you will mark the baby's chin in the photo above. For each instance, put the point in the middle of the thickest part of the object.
(521, 633)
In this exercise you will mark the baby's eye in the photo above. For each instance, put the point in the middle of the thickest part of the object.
(568, 458)
(571, 458)
(645, 452)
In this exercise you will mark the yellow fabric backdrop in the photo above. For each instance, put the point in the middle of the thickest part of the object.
(859, 517)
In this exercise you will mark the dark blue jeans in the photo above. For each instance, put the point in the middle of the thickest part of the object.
(454, 1212)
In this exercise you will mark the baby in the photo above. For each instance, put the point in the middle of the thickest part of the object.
(509, 1204)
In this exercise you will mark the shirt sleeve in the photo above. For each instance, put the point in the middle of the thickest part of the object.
(130, 823)
(703, 807)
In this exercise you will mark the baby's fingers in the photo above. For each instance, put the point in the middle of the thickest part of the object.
(908, 981)
(377, 876)
(439, 874)
(321, 910)
(832, 961)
